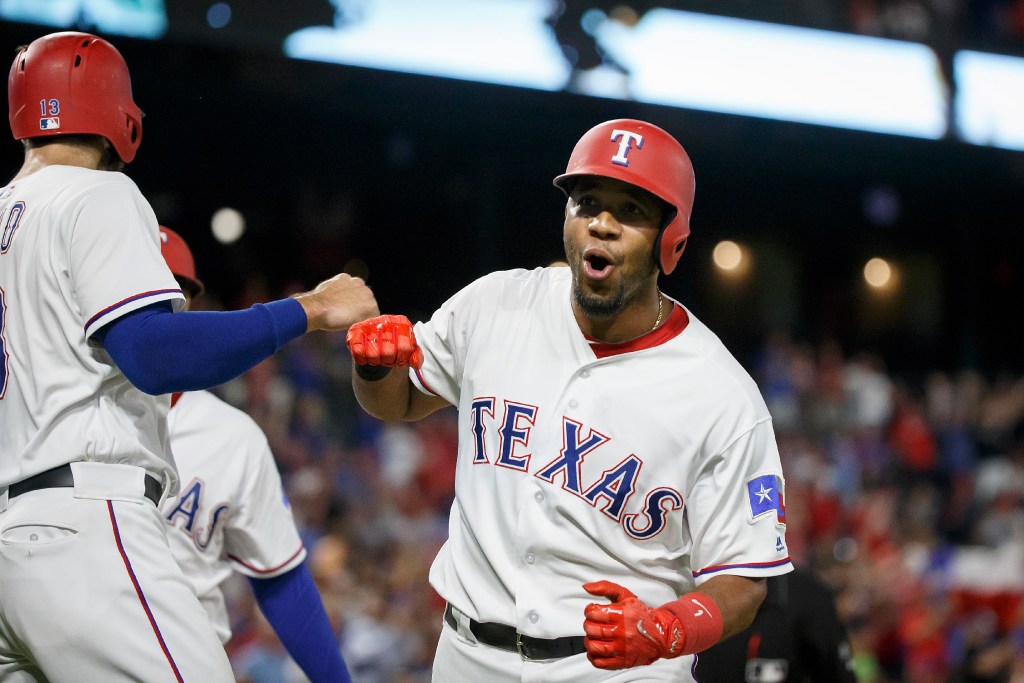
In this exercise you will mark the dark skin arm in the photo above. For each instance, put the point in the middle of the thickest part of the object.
(394, 397)
(738, 598)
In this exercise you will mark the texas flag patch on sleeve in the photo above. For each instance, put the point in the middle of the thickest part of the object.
(765, 493)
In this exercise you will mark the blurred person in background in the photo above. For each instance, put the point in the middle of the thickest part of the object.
(796, 637)
(232, 514)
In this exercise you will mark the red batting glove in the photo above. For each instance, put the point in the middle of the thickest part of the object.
(628, 632)
(386, 341)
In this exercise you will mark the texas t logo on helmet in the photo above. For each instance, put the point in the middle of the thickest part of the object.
(626, 140)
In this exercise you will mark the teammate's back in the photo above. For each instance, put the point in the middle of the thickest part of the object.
(59, 388)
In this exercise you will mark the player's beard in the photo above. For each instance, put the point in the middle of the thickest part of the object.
(628, 288)
(599, 307)
(629, 285)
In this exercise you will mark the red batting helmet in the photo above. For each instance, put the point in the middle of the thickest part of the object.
(179, 259)
(644, 155)
(72, 83)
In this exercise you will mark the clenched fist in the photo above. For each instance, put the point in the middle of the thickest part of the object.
(386, 341)
(338, 303)
(628, 632)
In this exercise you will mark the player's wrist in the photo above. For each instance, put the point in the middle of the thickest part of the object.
(311, 308)
(372, 373)
(700, 619)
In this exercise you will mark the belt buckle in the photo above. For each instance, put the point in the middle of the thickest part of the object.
(519, 646)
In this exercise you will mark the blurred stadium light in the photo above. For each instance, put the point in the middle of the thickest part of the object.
(990, 99)
(878, 273)
(135, 18)
(664, 56)
(781, 72)
(493, 42)
(729, 257)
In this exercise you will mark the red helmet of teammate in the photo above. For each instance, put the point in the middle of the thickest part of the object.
(74, 83)
(179, 259)
(644, 155)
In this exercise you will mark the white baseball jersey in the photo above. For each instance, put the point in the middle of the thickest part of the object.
(231, 512)
(650, 463)
(79, 248)
(91, 591)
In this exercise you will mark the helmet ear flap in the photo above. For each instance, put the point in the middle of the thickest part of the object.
(671, 243)
(678, 250)
(133, 130)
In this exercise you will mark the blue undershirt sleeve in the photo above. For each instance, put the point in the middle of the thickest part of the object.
(291, 603)
(161, 352)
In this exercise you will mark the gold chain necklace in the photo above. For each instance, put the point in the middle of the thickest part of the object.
(658, 321)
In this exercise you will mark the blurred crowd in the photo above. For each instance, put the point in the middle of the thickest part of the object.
(906, 495)
(989, 24)
(979, 24)
(946, 26)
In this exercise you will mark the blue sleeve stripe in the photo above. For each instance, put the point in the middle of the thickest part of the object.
(125, 302)
(749, 565)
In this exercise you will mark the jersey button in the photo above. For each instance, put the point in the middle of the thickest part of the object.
(539, 497)
(574, 404)
(530, 558)
(584, 373)
(533, 617)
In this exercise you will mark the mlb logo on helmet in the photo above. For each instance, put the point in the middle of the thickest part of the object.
(49, 123)
(765, 494)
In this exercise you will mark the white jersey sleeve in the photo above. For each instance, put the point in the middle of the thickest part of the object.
(261, 539)
(443, 341)
(736, 510)
(115, 265)
(456, 336)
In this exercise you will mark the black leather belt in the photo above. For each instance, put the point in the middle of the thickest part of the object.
(60, 477)
(507, 638)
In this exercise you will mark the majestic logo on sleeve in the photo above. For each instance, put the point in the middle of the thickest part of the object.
(609, 491)
(765, 493)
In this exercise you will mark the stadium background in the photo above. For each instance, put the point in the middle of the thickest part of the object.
(899, 413)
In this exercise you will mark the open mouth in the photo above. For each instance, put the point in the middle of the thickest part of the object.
(597, 266)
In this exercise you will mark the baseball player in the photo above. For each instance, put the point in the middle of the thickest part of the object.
(231, 514)
(619, 498)
(89, 589)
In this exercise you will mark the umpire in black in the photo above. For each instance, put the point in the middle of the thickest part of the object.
(796, 637)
